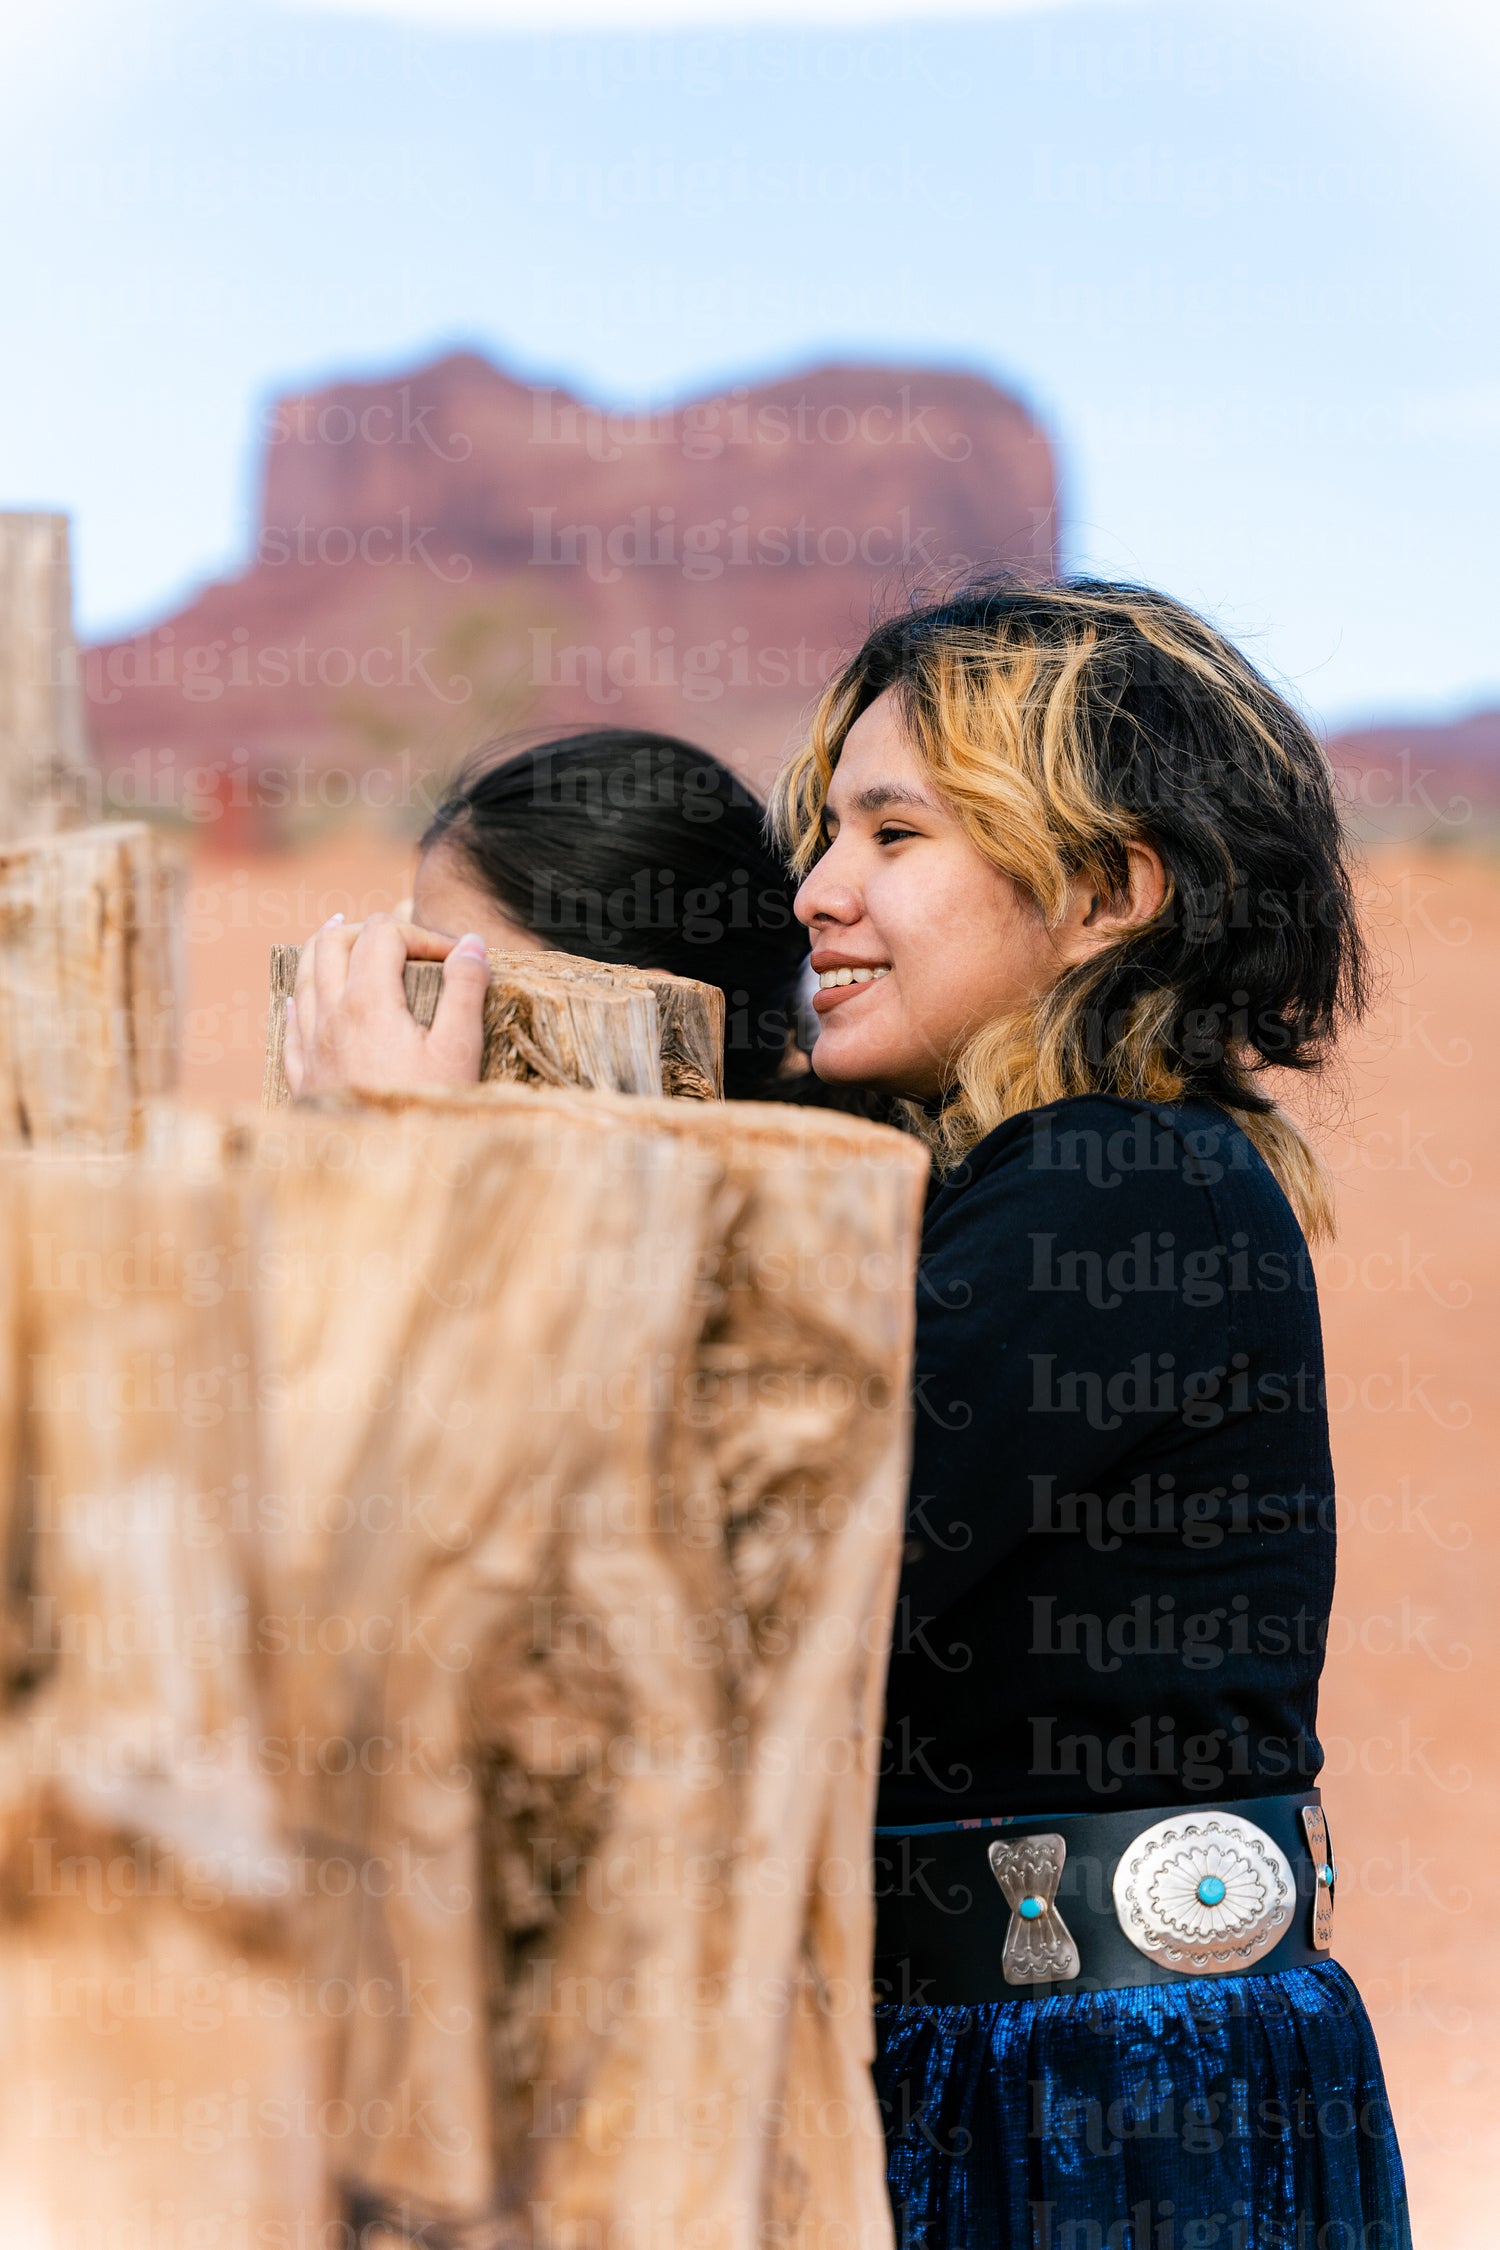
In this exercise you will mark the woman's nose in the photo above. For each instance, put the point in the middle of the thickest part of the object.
(825, 896)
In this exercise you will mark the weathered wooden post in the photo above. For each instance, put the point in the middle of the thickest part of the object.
(90, 968)
(453, 1540)
(90, 979)
(149, 2010)
(650, 1512)
(46, 777)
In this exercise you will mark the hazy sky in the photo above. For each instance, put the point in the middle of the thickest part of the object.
(1240, 258)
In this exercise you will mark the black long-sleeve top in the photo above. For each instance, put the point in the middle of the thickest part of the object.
(1120, 1538)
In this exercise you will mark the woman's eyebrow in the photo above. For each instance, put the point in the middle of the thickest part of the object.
(883, 793)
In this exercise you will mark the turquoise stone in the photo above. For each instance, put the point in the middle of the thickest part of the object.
(1030, 1908)
(1211, 1891)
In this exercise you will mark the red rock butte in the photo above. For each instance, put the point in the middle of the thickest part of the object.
(451, 554)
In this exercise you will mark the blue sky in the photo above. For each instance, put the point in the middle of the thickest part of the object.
(1240, 257)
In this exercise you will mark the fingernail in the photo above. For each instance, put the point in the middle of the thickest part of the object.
(291, 1005)
(328, 925)
(471, 947)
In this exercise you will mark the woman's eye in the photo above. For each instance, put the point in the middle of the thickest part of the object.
(889, 834)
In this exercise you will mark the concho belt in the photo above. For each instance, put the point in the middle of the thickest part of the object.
(970, 1911)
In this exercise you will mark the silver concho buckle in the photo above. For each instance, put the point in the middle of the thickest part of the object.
(1205, 1893)
(1039, 1946)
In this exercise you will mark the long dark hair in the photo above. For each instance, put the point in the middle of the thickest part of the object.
(1063, 722)
(635, 847)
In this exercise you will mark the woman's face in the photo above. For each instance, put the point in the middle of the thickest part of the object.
(448, 897)
(942, 941)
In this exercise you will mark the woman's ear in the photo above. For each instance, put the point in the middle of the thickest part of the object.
(1096, 918)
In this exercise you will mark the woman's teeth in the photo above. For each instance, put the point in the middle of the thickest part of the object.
(849, 976)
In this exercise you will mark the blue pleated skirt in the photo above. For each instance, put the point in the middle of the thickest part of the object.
(1232, 2113)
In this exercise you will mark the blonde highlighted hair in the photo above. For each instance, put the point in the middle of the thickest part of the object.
(1062, 723)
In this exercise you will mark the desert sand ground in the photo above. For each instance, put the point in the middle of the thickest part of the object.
(1411, 1304)
(1411, 1310)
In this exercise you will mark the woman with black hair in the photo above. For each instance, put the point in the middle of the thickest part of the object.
(1075, 881)
(622, 845)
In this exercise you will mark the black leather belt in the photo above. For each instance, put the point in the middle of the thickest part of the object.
(1013, 1908)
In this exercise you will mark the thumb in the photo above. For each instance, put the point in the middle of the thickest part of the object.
(456, 1040)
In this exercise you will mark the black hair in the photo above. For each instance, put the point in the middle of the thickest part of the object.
(634, 847)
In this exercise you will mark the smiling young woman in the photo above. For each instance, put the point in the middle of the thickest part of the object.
(1075, 879)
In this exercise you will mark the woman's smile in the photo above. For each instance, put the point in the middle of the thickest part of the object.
(839, 980)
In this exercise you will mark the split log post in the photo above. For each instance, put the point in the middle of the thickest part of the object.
(673, 1623)
(453, 1299)
(46, 779)
(150, 2024)
(90, 984)
(90, 971)
(556, 1019)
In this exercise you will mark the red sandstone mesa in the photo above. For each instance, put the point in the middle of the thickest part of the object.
(452, 552)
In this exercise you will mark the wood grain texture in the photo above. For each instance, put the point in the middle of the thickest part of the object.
(147, 1942)
(533, 1469)
(469, 1326)
(556, 1019)
(675, 1622)
(46, 777)
(90, 984)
